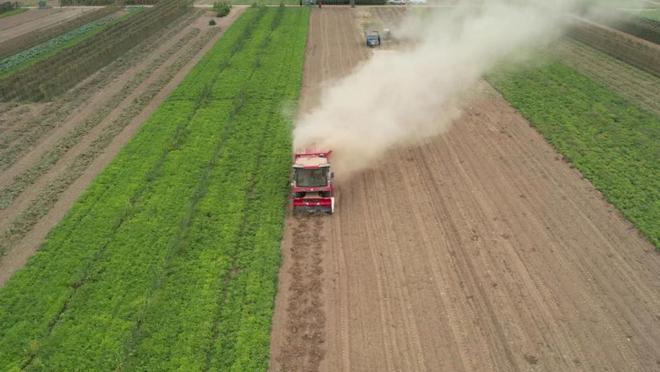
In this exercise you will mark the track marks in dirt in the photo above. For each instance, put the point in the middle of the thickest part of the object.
(298, 341)
(305, 324)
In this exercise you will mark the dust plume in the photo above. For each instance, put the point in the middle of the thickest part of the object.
(405, 96)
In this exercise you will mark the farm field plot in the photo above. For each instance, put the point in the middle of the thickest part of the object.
(50, 151)
(69, 66)
(612, 142)
(636, 85)
(169, 259)
(638, 52)
(20, 55)
(17, 25)
(480, 251)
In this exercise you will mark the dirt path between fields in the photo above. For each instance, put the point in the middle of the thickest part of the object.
(480, 251)
(27, 245)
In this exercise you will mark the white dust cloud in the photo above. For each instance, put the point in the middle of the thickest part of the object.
(403, 97)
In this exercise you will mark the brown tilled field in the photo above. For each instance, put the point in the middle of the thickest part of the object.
(51, 151)
(480, 251)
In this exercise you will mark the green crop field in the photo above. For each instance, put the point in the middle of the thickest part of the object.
(612, 141)
(169, 260)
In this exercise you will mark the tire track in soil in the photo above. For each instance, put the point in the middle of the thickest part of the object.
(302, 345)
(479, 251)
(303, 348)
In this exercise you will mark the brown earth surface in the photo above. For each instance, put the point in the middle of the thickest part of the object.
(34, 19)
(479, 251)
(161, 65)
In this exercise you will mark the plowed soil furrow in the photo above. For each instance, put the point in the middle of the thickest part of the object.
(479, 251)
(117, 128)
(629, 81)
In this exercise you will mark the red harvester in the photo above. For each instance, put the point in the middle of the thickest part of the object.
(311, 188)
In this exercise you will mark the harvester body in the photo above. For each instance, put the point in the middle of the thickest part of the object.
(311, 188)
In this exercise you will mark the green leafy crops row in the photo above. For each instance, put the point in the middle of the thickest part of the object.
(169, 260)
(613, 142)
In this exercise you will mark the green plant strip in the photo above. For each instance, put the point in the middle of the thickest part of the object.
(169, 260)
(612, 141)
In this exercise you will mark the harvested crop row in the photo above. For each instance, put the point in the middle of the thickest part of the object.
(182, 200)
(612, 141)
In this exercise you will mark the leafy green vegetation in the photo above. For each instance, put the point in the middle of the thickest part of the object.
(169, 260)
(613, 142)
(222, 8)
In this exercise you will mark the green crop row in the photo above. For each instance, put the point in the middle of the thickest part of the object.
(612, 141)
(169, 260)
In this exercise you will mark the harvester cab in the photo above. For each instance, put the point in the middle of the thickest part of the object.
(373, 39)
(311, 187)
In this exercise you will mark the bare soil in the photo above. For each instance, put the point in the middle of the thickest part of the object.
(479, 251)
(204, 37)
